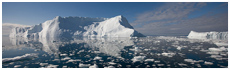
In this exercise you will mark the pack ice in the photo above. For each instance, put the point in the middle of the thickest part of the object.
(59, 27)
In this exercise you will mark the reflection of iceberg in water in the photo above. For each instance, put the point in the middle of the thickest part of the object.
(46, 45)
(109, 46)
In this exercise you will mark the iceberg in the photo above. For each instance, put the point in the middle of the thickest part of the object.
(61, 27)
(208, 35)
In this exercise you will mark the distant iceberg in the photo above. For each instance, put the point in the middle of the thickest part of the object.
(208, 35)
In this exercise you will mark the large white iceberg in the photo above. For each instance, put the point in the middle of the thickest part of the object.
(60, 27)
(208, 35)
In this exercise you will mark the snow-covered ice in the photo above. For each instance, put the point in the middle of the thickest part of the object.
(59, 27)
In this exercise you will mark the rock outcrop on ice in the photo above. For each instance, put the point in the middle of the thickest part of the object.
(59, 27)
(208, 35)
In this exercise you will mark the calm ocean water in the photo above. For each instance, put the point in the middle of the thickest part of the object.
(145, 52)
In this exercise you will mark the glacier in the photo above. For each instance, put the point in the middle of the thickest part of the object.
(208, 35)
(61, 27)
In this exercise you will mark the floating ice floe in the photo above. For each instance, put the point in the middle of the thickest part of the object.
(64, 66)
(52, 66)
(18, 58)
(149, 60)
(93, 66)
(110, 67)
(63, 54)
(192, 61)
(213, 52)
(221, 43)
(43, 64)
(112, 63)
(71, 60)
(216, 56)
(208, 63)
(66, 58)
(182, 64)
(218, 49)
(160, 64)
(97, 58)
(138, 58)
(16, 66)
(157, 61)
(84, 65)
(168, 54)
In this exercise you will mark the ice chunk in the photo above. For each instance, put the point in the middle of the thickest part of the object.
(218, 49)
(149, 60)
(66, 58)
(192, 61)
(110, 67)
(138, 58)
(84, 65)
(43, 64)
(16, 66)
(52, 66)
(208, 63)
(71, 60)
(97, 58)
(112, 63)
(93, 66)
(63, 54)
(168, 54)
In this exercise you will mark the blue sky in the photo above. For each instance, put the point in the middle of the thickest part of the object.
(151, 18)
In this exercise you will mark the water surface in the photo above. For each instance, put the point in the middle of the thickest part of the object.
(144, 52)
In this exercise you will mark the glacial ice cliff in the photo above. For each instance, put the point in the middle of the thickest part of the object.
(208, 35)
(59, 27)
